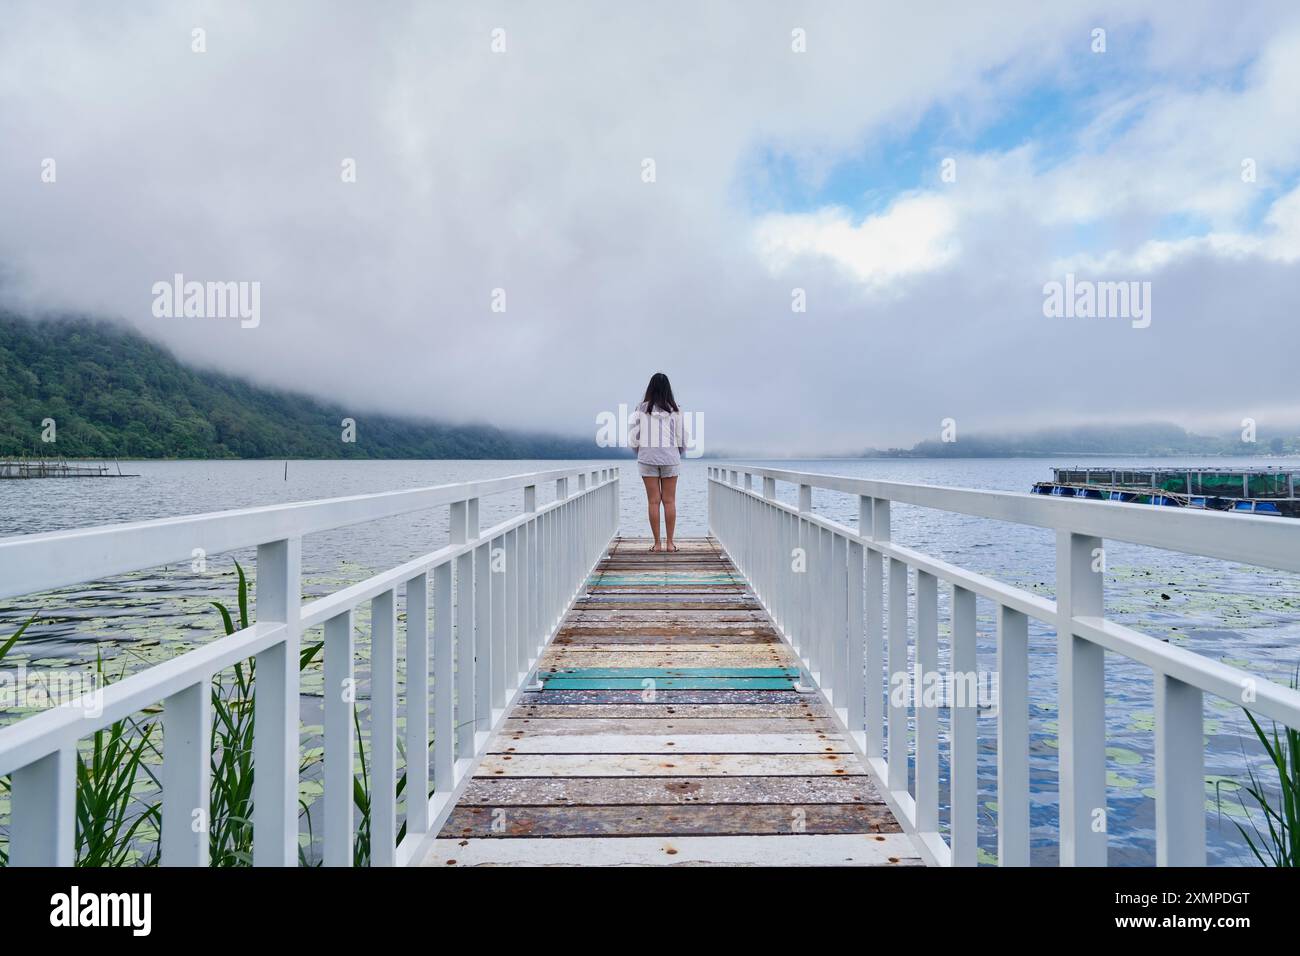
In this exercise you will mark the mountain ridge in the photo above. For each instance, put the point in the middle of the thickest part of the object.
(112, 392)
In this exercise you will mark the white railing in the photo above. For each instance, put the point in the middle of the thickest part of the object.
(497, 597)
(847, 617)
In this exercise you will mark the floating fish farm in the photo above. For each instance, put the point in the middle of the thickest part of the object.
(1264, 491)
(55, 468)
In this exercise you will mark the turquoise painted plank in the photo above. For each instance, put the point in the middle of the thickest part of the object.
(672, 683)
(582, 673)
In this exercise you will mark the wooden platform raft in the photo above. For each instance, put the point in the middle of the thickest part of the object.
(668, 730)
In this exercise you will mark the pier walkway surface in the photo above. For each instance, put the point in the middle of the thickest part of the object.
(667, 729)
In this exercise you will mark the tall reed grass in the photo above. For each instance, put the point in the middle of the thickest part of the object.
(1278, 843)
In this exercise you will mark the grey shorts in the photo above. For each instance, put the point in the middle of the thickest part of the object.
(658, 471)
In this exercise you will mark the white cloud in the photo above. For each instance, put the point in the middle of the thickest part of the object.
(1278, 242)
(916, 234)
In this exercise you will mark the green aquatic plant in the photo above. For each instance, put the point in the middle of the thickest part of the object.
(230, 833)
(1279, 843)
(111, 767)
(362, 801)
(109, 815)
(231, 805)
(5, 648)
(13, 639)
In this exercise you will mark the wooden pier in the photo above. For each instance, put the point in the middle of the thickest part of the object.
(670, 724)
(668, 730)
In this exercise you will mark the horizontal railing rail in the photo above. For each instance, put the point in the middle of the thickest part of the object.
(843, 606)
(478, 613)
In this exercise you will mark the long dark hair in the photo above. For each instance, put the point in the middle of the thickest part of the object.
(659, 394)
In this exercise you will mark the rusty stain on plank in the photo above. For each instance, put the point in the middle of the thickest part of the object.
(629, 791)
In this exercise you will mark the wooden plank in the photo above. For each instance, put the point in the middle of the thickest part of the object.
(657, 673)
(668, 724)
(662, 696)
(668, 683)
(669, 744)
(474, 822)
(654, 631)
(667, 711)
(671, 665)
(701, 600)
(647, 605)
(660, 590)
(594, 641)
(635, 791)
(667, 617)
(674, 765)
(881, 849)
(663, 579)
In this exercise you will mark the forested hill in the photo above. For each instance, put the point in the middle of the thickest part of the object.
(113, 393)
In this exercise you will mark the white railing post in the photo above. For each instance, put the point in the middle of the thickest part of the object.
(1013, 737)
(513, 583)
(340, 738)
(417, 704)
(824, 603)
(186, 775)
(275, 728)
(898, 674)
(854, 685)
(1081, 687)
(464, 626)
(383, 730)
(503, 633)
(875, 603)
(927, 713)
(1180, 774)
(527, 608)
(42, 822)
(804, 618)
(444, 697)
(615, 499)
(484, 692)
(964, 788)
(838, 656)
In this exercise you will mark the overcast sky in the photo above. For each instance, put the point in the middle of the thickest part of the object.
(775, 169)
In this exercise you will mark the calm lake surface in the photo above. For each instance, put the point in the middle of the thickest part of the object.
(1244, 616)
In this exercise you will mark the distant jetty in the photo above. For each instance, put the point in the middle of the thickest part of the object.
(56, 468)
(1266, 491)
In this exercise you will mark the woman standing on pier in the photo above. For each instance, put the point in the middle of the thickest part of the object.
(659, 439)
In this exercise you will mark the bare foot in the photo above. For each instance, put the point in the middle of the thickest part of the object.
(655, 549)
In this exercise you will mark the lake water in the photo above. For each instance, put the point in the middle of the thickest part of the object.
(1244, 616)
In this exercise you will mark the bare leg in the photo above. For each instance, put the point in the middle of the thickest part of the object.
(653, 497)
(669, 495)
